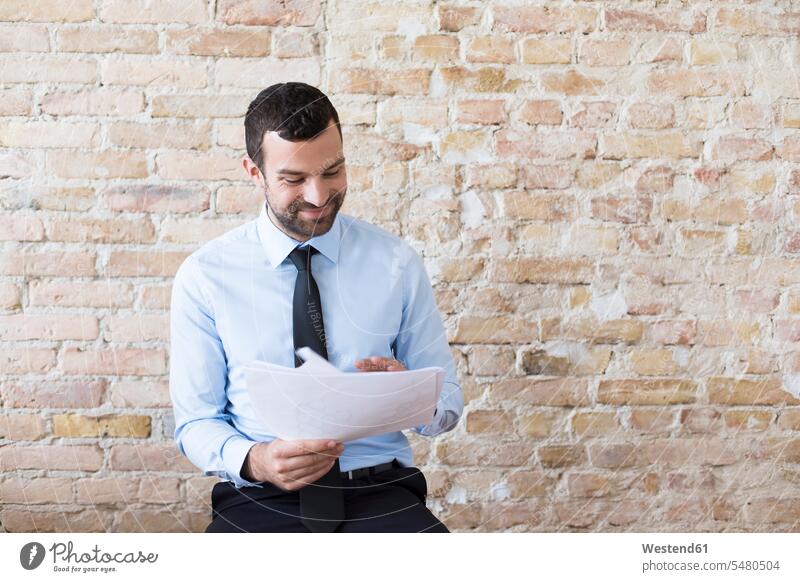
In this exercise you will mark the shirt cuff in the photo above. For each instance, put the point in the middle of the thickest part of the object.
(431, 428)
(234, 452)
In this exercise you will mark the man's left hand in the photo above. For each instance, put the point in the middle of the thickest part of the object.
(379, 364)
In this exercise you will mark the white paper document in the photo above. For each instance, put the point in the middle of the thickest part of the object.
(319, 401)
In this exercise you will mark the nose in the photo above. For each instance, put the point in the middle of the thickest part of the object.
(315, 192)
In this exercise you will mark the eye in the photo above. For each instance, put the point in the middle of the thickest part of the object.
(292, 181)
(331, 174)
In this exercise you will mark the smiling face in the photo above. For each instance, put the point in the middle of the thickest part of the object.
(305, 182)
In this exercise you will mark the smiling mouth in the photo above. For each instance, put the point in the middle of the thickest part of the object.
(316, 213)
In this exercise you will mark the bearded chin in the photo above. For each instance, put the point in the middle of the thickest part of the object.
(293, 222)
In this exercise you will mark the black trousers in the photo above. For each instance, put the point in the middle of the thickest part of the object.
(391, 501)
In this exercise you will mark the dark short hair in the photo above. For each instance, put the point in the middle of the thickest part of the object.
(297, 111)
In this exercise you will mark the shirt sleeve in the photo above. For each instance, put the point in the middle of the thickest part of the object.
(198, 380)
(422, 342)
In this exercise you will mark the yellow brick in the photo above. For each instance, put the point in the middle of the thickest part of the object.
(473, 329)
(96, 165)
(647, 391)
(763, 391)
(653, 362)
(484, 80)
(619, 146)
(652, 421)
(748, 419)
(587, 485)
(716, 52)
(491, 49)
(595, 423)
(78, 425)
(536, 424)
(436, 47)
(490, 421)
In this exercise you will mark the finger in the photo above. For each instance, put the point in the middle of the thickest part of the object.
(302, 479)
(286, 475)
(386, 363)
(370, 362)
(303, 461)
(378, 364)
(304, 447)
(303, 472)
(303, 475)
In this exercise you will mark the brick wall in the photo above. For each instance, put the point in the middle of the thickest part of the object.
(604, 193)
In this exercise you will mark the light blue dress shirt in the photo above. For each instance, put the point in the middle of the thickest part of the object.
(232, 303)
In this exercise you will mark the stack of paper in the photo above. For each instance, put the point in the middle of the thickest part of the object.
(318, 401)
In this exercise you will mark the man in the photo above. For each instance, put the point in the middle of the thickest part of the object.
(255, 293)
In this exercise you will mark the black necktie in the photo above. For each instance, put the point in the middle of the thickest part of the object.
(321, 502)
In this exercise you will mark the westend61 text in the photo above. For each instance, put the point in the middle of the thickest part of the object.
(670, 549)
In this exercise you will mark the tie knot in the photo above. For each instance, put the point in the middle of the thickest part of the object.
(301, 257)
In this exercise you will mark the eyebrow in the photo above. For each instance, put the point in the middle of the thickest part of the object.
(298, 173)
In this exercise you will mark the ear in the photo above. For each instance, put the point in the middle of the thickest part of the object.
(253, 172)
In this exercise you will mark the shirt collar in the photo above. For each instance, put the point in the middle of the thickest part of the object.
(277, 244)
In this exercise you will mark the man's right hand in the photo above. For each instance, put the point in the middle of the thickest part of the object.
(291, 465)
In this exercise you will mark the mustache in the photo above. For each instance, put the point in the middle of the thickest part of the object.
(333, 200)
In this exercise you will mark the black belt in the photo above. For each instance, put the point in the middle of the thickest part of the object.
(365, 471)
